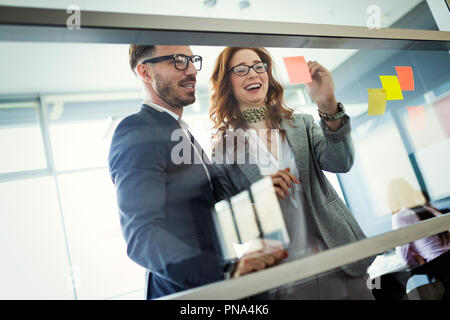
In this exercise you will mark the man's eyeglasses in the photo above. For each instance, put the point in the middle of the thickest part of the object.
(242, 70)
(180, 61)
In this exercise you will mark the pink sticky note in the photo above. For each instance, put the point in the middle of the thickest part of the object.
(297, 69)
(405, 77)
(442, 107)
(416, 117)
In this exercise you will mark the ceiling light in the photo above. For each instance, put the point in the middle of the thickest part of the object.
(244, 4)
(210, 3)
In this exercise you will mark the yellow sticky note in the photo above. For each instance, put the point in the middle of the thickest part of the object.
(392, 87)
(377, 102)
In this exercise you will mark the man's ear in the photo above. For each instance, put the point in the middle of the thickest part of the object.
(144, 73)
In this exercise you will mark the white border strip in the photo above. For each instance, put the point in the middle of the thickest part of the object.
(293, 271)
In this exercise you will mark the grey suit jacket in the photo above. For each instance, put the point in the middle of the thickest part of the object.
(316, 149)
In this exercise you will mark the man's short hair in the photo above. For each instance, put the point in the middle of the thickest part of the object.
(138, 53)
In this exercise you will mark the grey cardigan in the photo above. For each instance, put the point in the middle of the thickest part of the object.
(315, 149)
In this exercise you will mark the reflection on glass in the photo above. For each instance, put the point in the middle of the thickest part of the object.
(239, 221)
(394, 279)
(227, 232)
(408, 207)
(434, 162)
(329, 285)
(370, 153)
(429, 131)
(268, 211)
(399, 143)
(245, 217)
(425, 126)
(377, 143)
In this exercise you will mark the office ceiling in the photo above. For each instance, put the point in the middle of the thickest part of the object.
(28, 67)
(345, 12)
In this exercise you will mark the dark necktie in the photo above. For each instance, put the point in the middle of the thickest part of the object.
(204, 158)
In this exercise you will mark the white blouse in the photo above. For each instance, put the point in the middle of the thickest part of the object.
(305, 239)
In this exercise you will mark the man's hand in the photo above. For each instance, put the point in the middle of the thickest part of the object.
(272, 253)
(282, 180)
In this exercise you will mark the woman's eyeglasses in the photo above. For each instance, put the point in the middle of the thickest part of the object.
(180, 61)
(242, 70)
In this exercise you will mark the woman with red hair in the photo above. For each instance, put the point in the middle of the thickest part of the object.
(257, 135)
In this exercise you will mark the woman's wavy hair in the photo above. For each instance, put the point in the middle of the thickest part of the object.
(224, 111)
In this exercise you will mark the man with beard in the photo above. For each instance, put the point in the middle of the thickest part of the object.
(164, 205)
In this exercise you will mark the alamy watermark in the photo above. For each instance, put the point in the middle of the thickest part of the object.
(373, 283)
(374, 19)
(73, 22)
(234, 146)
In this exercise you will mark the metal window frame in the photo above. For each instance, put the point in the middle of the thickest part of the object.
(290, 272)
(37, 24)
(39, 105)
(31, 103)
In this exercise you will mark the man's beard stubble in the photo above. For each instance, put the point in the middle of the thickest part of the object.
(166, 91)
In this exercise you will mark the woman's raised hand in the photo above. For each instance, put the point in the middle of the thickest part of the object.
(321, 89)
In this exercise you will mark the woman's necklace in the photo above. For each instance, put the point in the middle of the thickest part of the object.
(255, 115)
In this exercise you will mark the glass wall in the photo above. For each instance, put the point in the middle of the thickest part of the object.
(67, 142)
(60, 228)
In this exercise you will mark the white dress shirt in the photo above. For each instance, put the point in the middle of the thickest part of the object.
(185, 126)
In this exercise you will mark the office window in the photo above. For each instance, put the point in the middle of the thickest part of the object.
(20, 138)
(428, 129)
(34, 257)
(380, 157)
(81, 131)
(66, 236)
(80, 144)
(375, 154)
(99, 256)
